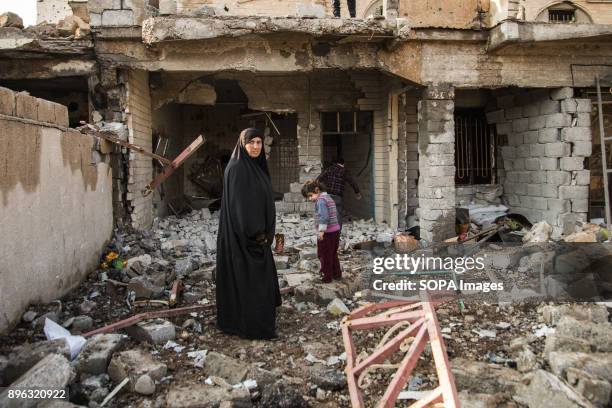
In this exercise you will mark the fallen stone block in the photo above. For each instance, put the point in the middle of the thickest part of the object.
(154, 331)
(332, 380)
(587, 312)
(559, 342)
(484, 378)
(599, 335)
(476, 400)
(296, 279)
(592, 388)
(145, 385)
(526, 360)
(25, 357)
(97, 352)
(219, 365)
(283, 395)
(52, 372)
(133, 364)
(202, 395)
(596, 364)
(144, 287)
(548, 390)
(337, 308)
(264, 378)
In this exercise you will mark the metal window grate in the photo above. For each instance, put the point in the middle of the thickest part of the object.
(562, 16)
(474, 149)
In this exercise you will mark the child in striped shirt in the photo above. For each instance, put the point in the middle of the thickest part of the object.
(328, 229)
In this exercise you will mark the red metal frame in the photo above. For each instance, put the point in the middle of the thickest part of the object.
(423, 326)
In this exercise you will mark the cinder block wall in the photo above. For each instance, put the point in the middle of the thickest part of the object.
(408, 166)
(56, 208)
(547, 138)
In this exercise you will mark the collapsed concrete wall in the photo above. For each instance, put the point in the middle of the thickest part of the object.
(51, 200)
(547, 139)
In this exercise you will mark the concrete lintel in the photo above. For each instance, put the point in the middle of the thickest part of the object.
(160, 29)
(41, 69)
(22, 44)
(511, 32)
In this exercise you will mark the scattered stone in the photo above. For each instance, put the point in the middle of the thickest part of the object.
(144, 385)
(599, 335)
(592, 388)
(548, 390)
(23, 358)
(52, 372)
(203, 395)
(540, 232)
(581, 236)
(87, 306)
(281, 261)
(219, 365)
(586, 312)
(154, 331)
(81, 324)
(296, 279)
(526, 360)
(97, 352)
(331, 380)
(133, 364)
(145, 260)
(183, 267)
(337, 308)
(29, 316)
(144, 287)
(475, 400)
(308, 253)
(596, 364)
(93, 388)
(485, 378)
(282, 395)
(39, 322)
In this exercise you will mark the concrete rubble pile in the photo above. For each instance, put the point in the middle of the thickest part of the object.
(71, 27)
(564, 362)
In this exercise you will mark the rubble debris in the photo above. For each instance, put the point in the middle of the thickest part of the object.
(540, 232)
(551, 314)
(133, 364)
(281, 394)
(97, 352)
(145, 385)
(52, 372)
(155, 331)
(93, 388)
(23, 358)
(546, 389)
(331, 380)
(337, 308)
(219, 365)
(10, 19)
(203, 395)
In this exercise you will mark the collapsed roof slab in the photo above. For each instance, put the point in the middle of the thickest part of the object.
(160, 29)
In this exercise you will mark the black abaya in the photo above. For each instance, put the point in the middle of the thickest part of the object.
(246, 278)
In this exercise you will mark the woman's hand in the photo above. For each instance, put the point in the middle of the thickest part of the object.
(320, 235)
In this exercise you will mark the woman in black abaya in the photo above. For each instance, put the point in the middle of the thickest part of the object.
(247, 283)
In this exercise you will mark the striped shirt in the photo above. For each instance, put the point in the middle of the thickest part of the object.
(326, 217)
(334, 178)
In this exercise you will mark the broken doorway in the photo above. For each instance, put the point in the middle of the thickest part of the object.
(349, 135)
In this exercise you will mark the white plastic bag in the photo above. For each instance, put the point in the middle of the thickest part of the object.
(55, 331)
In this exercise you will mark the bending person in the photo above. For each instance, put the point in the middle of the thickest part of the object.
(247, 283)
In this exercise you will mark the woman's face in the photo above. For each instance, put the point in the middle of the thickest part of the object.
(254, 146)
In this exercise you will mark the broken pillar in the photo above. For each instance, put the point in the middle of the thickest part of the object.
(436, 188)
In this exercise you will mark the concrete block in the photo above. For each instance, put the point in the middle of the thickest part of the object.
(512, 199)
(549, 135)
(445, 137)
(540, 203)
(536, 150)
(97, 352)
(26, 106)
(550, 191)
(167, 7)
(504, 128)
(583, 119)
(23, 358)
(549, 163)
(562, 93)
(154, 331)
(537, 122)
(98, 6)
(537, 177)
(548, 390)
(580, 205)
(582, 177)
(548, 107)
(52, 372)
(531, 110)
(530, 137)
(532, 164)
(46, 111)
(524, 176)
(438, 160)
(439, 149)
(438, 171)
(61, 114)
(572, 163)
(515, 112)
(497, 116)
(558, 149)
(534, 189)
(584, 105)
(576, 134)
(558, 205)
(230, 369)
(557, 120)
(118, 18)
(523, 150)
(573, 192)
(569, 106)
(95, 19)
(526, 201)
(7, 102)
(508, 152)
(520, 125)
(133, 364)
(437, 204)
(582, 149)
(558, 178)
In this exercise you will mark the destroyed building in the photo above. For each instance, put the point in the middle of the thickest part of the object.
(431, 104)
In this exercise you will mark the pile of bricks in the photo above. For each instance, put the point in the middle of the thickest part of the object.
(542, 168)
(293, 201)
